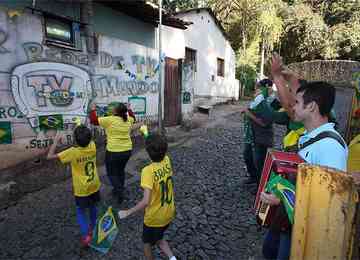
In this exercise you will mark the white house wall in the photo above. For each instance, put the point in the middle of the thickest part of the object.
(42, 86)
(206, 38)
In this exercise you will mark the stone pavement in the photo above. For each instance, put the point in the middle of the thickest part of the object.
(214, 209)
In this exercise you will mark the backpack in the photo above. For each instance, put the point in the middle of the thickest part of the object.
(280, 221)
(322, 135)
(326, 134)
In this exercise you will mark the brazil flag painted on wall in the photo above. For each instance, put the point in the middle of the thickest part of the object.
(51, 122)
(5, 133)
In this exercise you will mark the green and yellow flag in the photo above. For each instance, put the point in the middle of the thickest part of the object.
(5, 133)
(52, 122)
(105, 232)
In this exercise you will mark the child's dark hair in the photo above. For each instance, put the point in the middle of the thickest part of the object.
(156, 146)
(82, 135)
(121, 111)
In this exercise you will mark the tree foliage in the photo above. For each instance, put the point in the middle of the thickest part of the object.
(298, 29)
(173, 6)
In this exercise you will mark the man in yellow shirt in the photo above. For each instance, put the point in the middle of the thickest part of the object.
(85, 179)
(158, 199)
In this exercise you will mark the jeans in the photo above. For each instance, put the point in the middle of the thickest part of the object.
(115, 163)
(277, 245)
(254, 156)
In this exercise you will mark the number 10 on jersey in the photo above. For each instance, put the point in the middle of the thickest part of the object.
(166, 187)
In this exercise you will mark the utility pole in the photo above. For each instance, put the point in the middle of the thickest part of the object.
(160, 69)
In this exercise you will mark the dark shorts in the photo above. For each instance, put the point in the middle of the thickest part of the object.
(151, 235)
(88, 201)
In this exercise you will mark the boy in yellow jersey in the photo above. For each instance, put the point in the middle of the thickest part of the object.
(158, 199)
(85, 179)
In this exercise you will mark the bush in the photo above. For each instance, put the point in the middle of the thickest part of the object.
(247, 77)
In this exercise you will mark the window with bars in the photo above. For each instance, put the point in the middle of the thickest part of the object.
(190, 59)
(220, 67)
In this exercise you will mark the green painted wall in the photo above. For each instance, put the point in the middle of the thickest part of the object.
(118, 25)
(106, 20)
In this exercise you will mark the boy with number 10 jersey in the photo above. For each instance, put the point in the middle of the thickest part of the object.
(158, 178)
(158, 199)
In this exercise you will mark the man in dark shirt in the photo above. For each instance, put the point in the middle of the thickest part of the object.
(259, 135)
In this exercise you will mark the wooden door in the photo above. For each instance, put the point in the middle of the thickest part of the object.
(172, 93)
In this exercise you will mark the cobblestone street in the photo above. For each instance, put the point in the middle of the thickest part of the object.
(214, 208)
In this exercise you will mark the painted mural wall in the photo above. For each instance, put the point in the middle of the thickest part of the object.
(45, 89)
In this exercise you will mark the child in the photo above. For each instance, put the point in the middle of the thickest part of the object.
(158, 199)
(86, 182)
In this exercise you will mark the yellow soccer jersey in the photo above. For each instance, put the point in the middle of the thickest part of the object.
(158, 178)
(117, 132)
(83, 169)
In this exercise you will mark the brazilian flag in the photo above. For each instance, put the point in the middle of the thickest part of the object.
(52, 122)
(285, 191)
(105, 232)
(5, 133)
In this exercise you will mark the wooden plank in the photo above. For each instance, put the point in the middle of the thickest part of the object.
(324, 214)
(343, 107)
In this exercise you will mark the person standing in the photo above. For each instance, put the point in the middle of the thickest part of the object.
(258, 131)
(119, 145)
(313, 104)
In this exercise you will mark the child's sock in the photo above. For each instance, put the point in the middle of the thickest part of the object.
(82, 220)
(172, 258)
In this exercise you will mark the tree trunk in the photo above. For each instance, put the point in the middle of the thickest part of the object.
(262, 58)
(244, 40)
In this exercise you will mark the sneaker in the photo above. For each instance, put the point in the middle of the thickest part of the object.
(85, 241)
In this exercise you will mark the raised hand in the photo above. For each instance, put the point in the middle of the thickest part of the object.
(93, 106)
(123, 214)
(270, 199)
(276, 65)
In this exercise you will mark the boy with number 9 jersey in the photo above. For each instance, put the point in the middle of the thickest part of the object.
(158, 199)
(86, 182)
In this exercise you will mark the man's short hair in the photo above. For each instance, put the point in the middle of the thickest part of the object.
(156, 146)
(267, 83)
(322, 93)
(82, 136)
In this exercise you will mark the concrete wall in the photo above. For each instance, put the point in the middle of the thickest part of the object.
(118, 25)
(345, 76)
(206, 38)
(44, 89)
